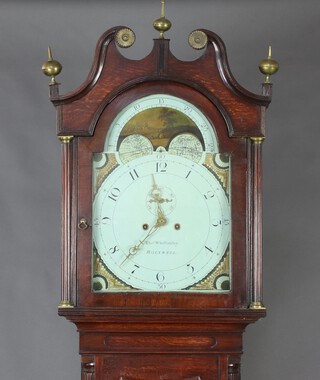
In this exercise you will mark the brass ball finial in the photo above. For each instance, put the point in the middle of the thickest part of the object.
(268, 66)
(162, 24)
(51, 68)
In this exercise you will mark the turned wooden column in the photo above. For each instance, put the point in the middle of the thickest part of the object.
(256, 235)
(66, 206)
(234, 371)
(87, 368)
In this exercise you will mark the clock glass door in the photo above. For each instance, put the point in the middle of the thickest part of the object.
(161, 202)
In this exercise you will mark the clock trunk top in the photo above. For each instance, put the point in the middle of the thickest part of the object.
(112, 74)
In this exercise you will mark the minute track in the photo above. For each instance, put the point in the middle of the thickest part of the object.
(164, 248)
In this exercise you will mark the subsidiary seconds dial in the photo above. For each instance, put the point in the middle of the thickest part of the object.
(162, 222)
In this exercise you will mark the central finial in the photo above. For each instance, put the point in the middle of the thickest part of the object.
(162, 24)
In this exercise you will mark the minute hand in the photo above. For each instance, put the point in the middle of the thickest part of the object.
(133, 250)
(161, 221)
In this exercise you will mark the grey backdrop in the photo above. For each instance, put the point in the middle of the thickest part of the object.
(35, 343)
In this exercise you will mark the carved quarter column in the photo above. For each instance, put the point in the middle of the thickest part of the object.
(87, 368)
(234, 371)
(256, 234)
(67, 163)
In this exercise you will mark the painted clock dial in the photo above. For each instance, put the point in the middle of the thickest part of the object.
(161, 206)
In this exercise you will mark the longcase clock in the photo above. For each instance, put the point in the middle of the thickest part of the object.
(161, 267)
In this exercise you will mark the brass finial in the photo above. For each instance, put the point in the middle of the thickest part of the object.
(268, 66)
(162, 24)
(51, 68)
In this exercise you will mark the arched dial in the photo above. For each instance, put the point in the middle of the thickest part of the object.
(162, 222)
(161, 121)
(161, 213)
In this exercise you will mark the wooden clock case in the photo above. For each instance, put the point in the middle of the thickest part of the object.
(161, 335)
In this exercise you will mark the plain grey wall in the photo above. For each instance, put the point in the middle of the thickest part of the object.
(35, 343)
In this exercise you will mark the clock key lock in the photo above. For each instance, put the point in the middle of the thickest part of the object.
(83, 224)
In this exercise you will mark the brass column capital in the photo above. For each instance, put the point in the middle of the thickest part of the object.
(257, 140)
(65, 139)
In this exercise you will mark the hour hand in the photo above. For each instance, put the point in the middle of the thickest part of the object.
(162, 220)
(157, 197)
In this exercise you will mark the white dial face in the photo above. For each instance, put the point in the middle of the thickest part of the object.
(161, 222)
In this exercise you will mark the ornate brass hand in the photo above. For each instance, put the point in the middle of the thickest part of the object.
(156, 196)
(160, 222)
(133, 250)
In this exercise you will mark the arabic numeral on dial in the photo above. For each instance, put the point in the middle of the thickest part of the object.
(216, 222)
(136, 267)
(114, 194)
(102, 221)
(133, 174)
(208, 249)
(187, 109)
(209, 146)
(160, 277)
(219, 222)
(161, 101)
(114, 249)
(204, 127)
(161, 167)
(209, 194)
(137, 107)
(190, 269)
(162, 286)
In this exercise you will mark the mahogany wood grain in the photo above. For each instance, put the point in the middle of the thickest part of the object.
(160, 335)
